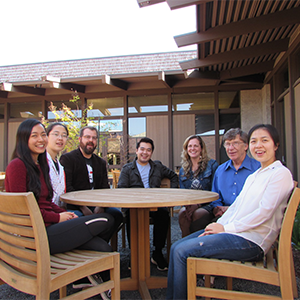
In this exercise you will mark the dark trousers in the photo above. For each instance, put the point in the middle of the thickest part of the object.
(205, 219)
(88, 232)
(161, 221)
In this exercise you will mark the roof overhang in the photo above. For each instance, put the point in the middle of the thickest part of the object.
(238, 40)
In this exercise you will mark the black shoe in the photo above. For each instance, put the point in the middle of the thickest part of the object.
(159, 260)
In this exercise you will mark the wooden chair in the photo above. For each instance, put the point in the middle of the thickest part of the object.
(2, 179)
(116, 175)
(114, 239)
(166, 183)
(276, 269)
(2, 185)
(25, 261)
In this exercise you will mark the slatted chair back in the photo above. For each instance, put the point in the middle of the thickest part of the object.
(2, 184)
(165, 183)
(276, 269)
(116, 175)
(25, 260)
(24, 251)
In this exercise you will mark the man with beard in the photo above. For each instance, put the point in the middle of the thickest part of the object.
(85, 170)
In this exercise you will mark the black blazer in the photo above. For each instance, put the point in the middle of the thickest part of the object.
(130, 176)
(77, 177)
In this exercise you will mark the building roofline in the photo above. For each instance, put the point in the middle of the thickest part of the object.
(98, 58)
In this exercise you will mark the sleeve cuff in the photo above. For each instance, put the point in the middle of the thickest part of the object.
(229, 227)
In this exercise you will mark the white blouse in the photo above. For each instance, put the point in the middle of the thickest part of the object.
(257, 212)
(58, 180)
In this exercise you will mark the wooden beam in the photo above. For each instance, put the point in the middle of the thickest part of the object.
(168, 80)
(205, 75)
(175, 4)
(254, 78)
(263, 22)
(68, 86)
(143, 3)
(247, 70)
(239, 54)
(121, 84)
(51, 78)
(162, 77)
(3, 94)
(55, 82)
(9, 87)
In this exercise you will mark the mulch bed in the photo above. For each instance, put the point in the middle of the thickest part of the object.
(296, 255)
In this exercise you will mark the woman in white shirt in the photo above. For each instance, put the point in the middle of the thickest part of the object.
(57, 138)
(251, 224)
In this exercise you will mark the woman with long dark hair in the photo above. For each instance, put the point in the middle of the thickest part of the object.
(29, 171)
(249, 227)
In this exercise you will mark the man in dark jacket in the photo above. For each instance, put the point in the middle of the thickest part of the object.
(86, 171)
(145, 173)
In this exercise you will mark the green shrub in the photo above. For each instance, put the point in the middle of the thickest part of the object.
(296, 231)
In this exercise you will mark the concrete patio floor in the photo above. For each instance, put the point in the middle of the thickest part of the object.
(6, 292)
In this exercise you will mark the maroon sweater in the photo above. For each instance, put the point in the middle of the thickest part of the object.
(15, 181)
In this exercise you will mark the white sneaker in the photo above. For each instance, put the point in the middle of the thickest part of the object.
(96, 279)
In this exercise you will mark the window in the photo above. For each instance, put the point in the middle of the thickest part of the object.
(191, 102)
(205, 127)
(148, 104)
(26, 110)
(229, 100)
(136, 130)
(106, 107)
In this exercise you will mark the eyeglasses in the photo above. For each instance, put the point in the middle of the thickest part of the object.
(233, 144)
(88, 137)
(56, 134)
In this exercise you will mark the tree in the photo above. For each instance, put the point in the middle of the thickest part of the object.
(73, 119)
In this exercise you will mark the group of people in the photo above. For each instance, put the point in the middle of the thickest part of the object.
(242, 224)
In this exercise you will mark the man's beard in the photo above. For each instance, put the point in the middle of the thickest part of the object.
(87, 150)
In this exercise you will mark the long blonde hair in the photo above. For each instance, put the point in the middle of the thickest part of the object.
(186, 162)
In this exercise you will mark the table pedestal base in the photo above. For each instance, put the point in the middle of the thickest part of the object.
(141, 279)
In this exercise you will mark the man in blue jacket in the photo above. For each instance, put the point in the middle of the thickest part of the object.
(145, 173)
(229, 177)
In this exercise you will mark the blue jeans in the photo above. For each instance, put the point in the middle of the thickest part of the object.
(221, 245)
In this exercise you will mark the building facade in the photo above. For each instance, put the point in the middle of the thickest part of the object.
(228, 82)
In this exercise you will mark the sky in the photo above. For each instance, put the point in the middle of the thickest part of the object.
(42, 30)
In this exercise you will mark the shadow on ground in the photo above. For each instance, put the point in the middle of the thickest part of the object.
(6, 292)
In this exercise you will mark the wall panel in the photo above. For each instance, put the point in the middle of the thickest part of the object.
(288, 131)
(157, 130)
(183, 126)
(12, 130)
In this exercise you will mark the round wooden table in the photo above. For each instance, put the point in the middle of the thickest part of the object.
(140, 202)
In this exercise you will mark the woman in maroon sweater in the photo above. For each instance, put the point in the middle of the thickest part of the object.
(29, 171)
